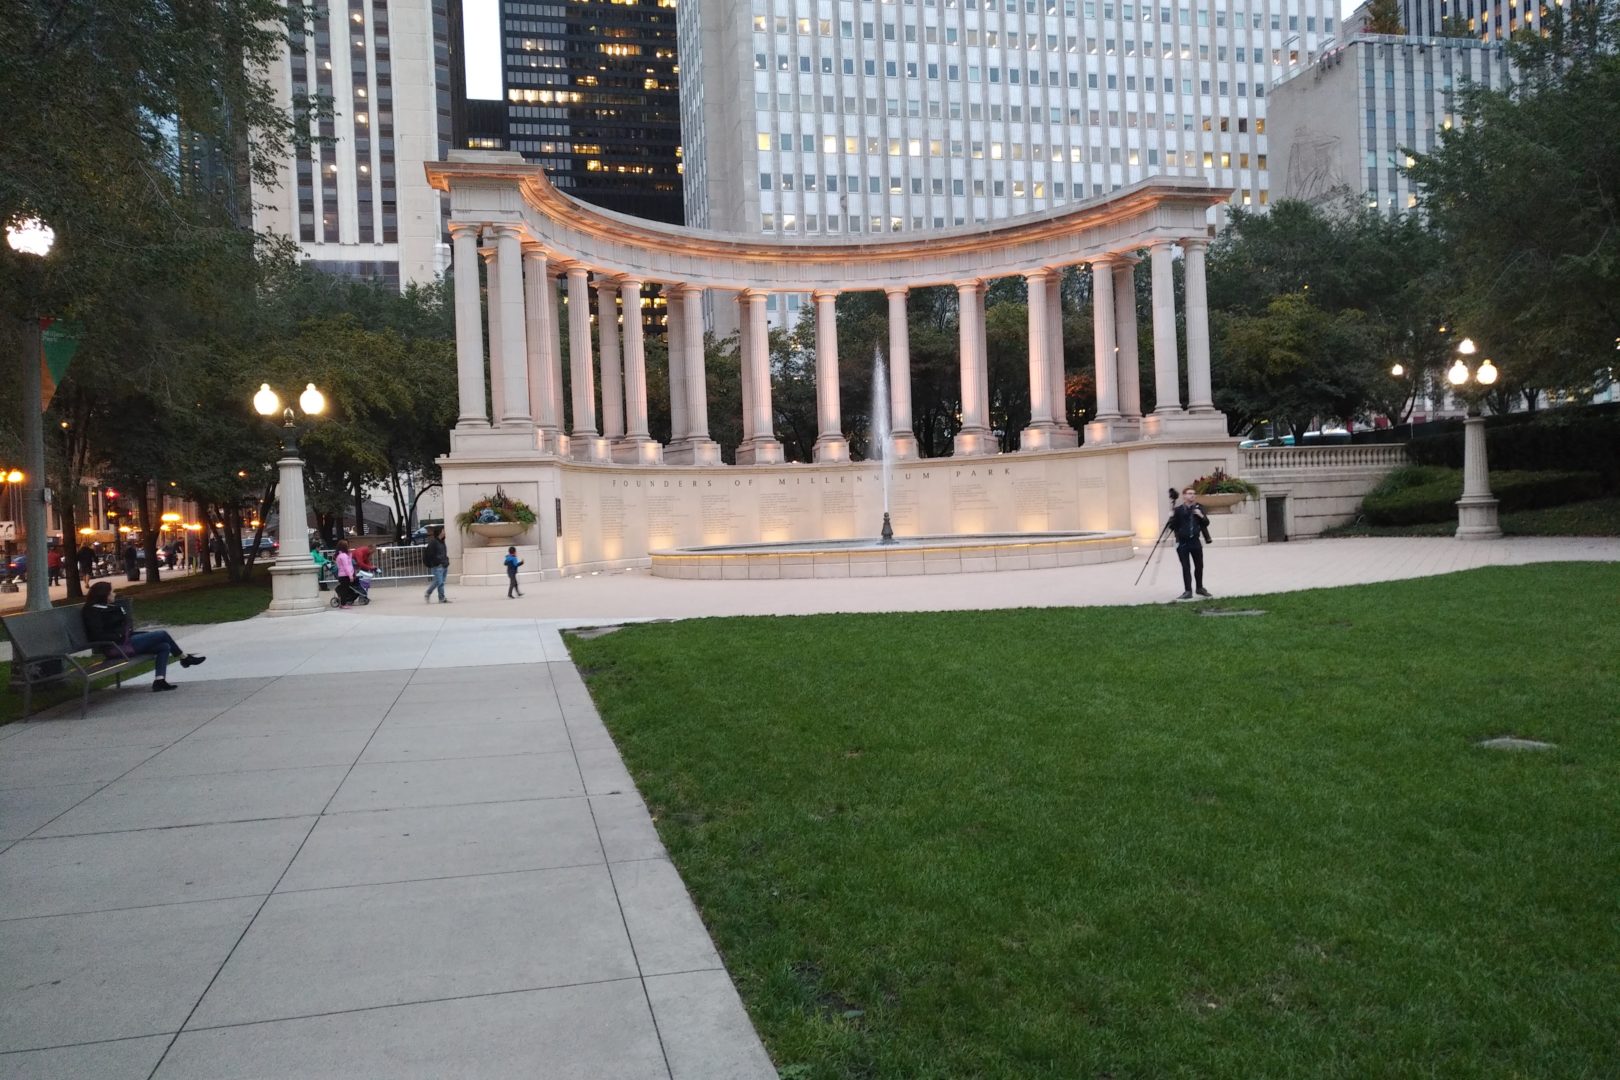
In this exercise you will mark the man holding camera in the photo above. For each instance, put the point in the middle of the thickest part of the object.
(1191, 525)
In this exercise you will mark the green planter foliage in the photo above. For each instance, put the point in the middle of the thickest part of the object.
(1417, 494)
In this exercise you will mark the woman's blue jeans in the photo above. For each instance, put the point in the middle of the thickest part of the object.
(157, 644)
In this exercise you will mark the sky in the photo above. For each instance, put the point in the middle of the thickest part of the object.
(481, 25)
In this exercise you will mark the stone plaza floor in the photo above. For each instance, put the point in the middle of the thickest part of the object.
(398, 842)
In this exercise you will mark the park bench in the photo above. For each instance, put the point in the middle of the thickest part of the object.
(45, 648)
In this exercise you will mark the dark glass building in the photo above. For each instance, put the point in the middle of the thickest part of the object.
(589, 92)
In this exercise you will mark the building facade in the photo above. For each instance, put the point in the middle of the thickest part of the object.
(805, 117)
(589, 92)
(1348, 124)
(356, 199)
(1487, 20)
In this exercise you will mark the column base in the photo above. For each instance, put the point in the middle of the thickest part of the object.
(1128, 429)
(295, 590)
(638, 450)
(830, 448)
(590, 447)
(1100, 432)
(551, 441)
(975, 442)
(760, 450)
(1037, 436)
(693, 452)
(1064, 437)
(1476, 518)
(903, 446)
(1180, 424)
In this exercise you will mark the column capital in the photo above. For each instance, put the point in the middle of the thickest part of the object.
(463, 228)
(1038, 276)
(1111, 259)
(1129, 258)
(750, 295)
(628, 282)
(532, 249)
(818, 295)
(894, 290)
(1194, 243)
(506, 228)
(683, 289)
(487, 249)
(1160, 242)
(968, 286)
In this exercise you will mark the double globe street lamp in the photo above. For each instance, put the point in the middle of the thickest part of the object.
(32, 237)
(1477, 509)
(294, 583)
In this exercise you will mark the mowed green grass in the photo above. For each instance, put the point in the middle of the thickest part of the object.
(1147, 843)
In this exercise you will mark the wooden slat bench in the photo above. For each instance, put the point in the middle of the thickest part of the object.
(46, 648)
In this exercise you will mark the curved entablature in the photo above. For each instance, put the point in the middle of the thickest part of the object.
(492, 188)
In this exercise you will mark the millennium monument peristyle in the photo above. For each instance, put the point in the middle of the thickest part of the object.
(611, 496)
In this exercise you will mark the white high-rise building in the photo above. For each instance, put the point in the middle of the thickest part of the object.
(1344, 125)
(1486, 20)
(357, 200)
(855, 117)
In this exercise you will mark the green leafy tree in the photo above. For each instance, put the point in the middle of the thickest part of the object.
(1523, 194)
(1384, 17)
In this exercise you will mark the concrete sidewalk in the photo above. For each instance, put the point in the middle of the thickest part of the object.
(401, 848)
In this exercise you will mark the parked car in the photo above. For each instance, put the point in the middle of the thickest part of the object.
(267, 546)
(17, 568)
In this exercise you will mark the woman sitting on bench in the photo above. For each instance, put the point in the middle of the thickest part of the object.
(105, 624)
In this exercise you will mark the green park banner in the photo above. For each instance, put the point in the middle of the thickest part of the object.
(58, 340)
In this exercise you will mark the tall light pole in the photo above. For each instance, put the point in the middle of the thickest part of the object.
(31, 236)
(294, 584)
(1476, 510)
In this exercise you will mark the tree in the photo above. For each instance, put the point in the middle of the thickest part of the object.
(1523, 194)
(1384, 17)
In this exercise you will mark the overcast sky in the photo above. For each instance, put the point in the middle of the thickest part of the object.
(483, 31)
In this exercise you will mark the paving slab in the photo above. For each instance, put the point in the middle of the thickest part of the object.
(124, 1059)
(440, 742)
(111, 975)
(664, 925)
(23, 766)
(105, 871)
(165, 802)
(330, 950)
(625, 828)
(601, 1031)
(205, 751)
(396, 784)
(705, 1029)
(378, 846)
(22, 810)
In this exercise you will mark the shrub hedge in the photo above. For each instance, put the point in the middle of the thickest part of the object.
(1416, 494)
(1557, 439)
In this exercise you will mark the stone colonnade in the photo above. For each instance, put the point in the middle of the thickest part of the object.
(525, 364)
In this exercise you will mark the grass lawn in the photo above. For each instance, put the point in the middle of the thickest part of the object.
(1139, 842)
(1592, 517)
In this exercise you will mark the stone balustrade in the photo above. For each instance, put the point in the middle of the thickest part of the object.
(1378, 456)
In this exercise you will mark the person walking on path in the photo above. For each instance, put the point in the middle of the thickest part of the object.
(1190, 523)
(345, 575)
(87, 562)
(106, 625)
(437, 560)
(53, 564)
(512, 564)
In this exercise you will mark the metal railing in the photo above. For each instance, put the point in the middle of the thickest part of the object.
(396, 564)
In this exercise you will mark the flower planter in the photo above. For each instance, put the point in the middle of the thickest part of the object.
(1221, 503)
(498, 530)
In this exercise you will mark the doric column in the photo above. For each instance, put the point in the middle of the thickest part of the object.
(469, 327)
(542, 397)
(554, 353)
(514, 336)
(705, 451)
(497, 353)
(1103, 340)
(745, 369)
(1199, 393)
(830, 442)
(579, 359)
(1129, 366)
(761, 448)
(1040, 377)
(607, 332)
(975, 436)
(981, 357)
(1166, 364)
(635, 372)
(902, 434)
(1063, 433)
(675, 346)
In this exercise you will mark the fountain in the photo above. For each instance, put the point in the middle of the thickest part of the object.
(881, 436)
(889, 556)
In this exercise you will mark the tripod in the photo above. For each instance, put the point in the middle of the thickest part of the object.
(1151, 552)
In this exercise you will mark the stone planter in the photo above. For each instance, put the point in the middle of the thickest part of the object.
(498, 530)
(1222, 503)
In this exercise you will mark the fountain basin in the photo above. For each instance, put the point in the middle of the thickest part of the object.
(907, 556)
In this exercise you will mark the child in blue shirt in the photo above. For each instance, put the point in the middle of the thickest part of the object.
(512, 564)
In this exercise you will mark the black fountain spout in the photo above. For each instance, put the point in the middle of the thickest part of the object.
(887, 535)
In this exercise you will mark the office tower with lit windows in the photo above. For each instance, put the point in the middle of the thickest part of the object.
(881, 116)
(356, 200)
(589, 92)
(1487, 20)
(1344, 126)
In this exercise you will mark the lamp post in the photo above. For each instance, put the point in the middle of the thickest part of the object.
(31, 236)
(294, 586)
(9, 479)
(1476, 510)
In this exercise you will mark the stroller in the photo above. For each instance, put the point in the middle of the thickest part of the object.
(359, 593)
